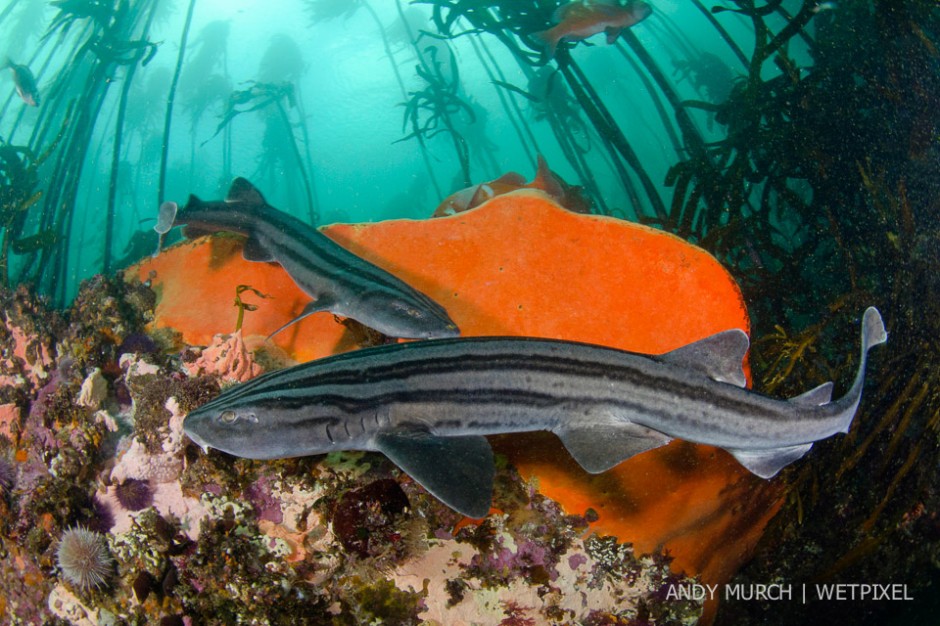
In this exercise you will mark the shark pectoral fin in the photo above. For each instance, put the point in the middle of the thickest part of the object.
(317, 306)
(600, 447)
(817, 396)
(254, 251)
(458, 471)
(720, 356)
(766, 463)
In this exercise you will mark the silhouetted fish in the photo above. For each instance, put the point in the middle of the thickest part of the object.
(25, 83)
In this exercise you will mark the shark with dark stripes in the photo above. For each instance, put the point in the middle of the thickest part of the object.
(428, 406)
(339, 281)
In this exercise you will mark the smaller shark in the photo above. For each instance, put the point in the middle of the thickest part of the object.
(339, 281)
(427, 405)
(581, 19)
(25, 83)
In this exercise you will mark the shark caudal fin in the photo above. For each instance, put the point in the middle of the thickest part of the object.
(166, 215)
(767, 462)
(873, 334)
(873, 329)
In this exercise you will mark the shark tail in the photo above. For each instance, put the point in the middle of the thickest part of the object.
(767, 462)
(165, 217)
(873, 334)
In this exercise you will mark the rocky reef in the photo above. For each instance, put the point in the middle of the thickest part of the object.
(109, 515)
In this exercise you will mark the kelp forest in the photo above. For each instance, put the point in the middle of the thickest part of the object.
(798, 143)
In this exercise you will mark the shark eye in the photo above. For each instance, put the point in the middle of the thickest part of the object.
(228, 417)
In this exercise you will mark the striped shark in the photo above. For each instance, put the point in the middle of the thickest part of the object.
(427, 406)
(339, 281)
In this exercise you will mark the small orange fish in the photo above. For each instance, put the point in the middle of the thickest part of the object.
(583, 18)
(474, 196)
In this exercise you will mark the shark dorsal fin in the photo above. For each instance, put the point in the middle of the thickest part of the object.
(243, 191)
(720, 356)
(816, 396)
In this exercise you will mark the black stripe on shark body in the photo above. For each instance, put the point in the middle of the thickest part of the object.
(296, 242)
(337, 260)
(298, 390)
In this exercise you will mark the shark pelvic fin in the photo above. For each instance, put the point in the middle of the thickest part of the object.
(254, 251)
(720, 356)
(243, 191)
(599, 447)
(766, 463)
(456, 470)
(816, 396)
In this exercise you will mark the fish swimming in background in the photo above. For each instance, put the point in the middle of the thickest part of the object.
(545, 180)
(339, 281)
(427, 406)
(25, 83)
(584, 18)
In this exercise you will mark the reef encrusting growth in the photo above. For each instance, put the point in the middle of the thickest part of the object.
(109, 515)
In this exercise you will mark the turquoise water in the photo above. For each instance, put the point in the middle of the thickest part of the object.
(343, 158)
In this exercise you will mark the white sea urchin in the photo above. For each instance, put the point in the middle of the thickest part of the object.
(83, 557)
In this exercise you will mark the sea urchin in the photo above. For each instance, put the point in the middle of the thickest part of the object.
(83, 557)
(134, 494)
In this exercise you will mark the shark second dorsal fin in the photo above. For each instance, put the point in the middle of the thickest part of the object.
(243, 191)
(458, 471)
(817, 396)
(720, 356)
